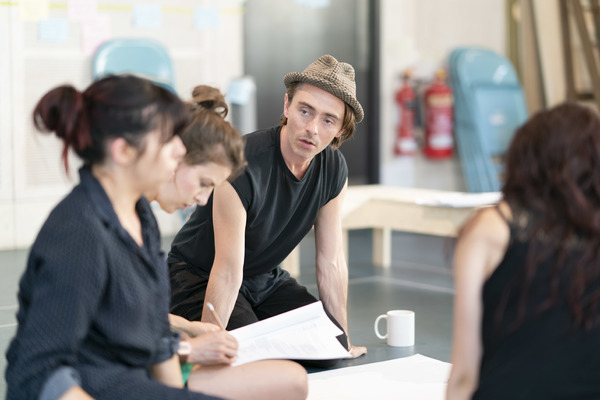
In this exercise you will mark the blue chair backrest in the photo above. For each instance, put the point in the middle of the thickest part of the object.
(489, 105)
(489, 93)
(139, 56)
(478, 66)
(501, 113)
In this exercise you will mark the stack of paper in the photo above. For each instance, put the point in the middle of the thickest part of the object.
(305, 333)
(410, 378)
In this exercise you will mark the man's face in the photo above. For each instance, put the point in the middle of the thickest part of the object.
(314, 119)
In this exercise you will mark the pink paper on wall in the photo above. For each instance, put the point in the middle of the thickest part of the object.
(94, 32)
(82, 10)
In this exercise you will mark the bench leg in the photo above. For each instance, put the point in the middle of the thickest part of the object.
(382, 247)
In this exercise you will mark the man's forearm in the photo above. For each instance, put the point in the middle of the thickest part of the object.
(221, 292)
(332, 282)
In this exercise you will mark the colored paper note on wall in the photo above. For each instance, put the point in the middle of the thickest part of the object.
(82, 10)
(53, 30)
(206, 17)
(94, 32)
(34, 10)
(147, 16)
(314, 3)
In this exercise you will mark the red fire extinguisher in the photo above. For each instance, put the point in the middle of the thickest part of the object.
(405, 128)
(438, 118)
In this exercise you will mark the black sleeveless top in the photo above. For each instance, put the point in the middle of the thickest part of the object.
(543, 356)
(281, 209)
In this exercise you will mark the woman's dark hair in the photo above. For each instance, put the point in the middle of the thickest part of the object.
(209, 137)
(552, 183)
(348, 124)
(113, 107)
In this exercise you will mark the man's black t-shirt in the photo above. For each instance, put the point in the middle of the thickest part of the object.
(281, 209)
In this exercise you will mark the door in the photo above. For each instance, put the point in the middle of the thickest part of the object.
(287, 35)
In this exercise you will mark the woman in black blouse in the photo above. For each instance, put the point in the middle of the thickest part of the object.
(527, 305)
(93, 300)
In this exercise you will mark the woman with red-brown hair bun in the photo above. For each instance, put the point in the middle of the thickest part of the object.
(94, 298)
(215, 154)
(527, 271)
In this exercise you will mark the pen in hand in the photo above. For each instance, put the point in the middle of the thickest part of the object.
(214, 313)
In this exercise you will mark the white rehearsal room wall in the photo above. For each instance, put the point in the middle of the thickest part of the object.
(49, 45)
(414, 33)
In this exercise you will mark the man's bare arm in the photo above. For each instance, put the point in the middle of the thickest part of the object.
(332, 269)
(229, 219)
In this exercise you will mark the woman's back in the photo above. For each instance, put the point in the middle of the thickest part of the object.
(526, 309)
(530, 352)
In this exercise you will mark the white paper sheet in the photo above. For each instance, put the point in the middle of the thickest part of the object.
(303, 333)
(410, 378)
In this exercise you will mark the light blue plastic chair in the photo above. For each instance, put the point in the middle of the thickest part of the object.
(144, 57)
(489, 105)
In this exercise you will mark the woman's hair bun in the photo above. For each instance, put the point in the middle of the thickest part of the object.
(58, 111)
(209, 98)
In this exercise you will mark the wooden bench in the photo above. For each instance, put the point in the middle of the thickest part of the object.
(385, 209)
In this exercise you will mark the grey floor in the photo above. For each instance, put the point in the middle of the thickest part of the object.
(419, 279)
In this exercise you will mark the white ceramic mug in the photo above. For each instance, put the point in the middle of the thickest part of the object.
(400, 328)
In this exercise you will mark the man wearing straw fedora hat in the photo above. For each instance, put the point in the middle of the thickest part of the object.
(229, 252)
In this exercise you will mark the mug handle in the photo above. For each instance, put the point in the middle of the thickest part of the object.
(376, 327)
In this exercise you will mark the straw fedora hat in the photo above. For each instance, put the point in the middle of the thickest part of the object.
(332, 76)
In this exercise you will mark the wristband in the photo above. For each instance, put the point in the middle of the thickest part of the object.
(184, 350)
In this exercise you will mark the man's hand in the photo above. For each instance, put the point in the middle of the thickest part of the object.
(357, 351)
(213, 348)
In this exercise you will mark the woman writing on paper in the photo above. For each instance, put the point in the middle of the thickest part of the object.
(215, 153)
(527, 272)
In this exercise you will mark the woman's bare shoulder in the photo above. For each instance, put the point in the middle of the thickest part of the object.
(488, 231)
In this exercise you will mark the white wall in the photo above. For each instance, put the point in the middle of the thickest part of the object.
(7, 223)
(416, 33)
(420, 34)
(32, 180)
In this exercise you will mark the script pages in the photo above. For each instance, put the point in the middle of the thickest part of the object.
(305, 333)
